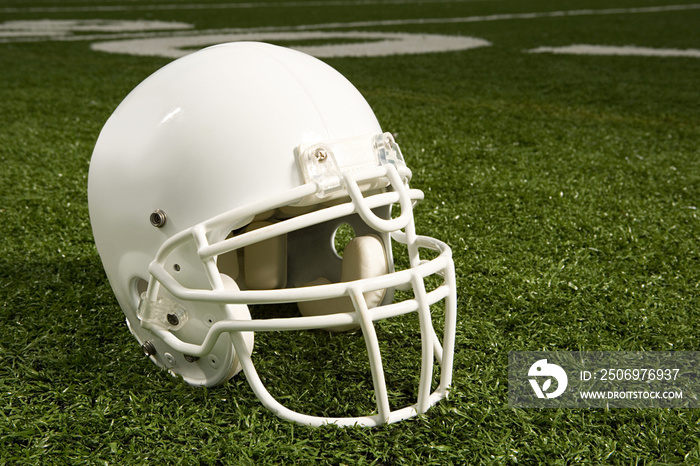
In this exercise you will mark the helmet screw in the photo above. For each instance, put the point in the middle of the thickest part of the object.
(321, 154)
(148, 349)
(189, 358)
(173, 320)
(158, 218)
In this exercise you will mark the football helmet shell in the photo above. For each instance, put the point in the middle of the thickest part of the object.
(220, 182)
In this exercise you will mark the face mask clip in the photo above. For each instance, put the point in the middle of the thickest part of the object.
(319, 166)
(163, 313)
(388, 152)
(329, 164)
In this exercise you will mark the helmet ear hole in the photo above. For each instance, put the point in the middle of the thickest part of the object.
(139, 287)
(341, 237)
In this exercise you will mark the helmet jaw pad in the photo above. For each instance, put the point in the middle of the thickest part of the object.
(364, 257)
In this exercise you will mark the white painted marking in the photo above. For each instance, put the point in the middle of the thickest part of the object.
(627, 50)
(395, 22)
(48, 28)
(375, 44)
(134, 6)
(355, 24)
(172, 39)
(502, 17)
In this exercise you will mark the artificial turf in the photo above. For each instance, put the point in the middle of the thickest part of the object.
(567, 186)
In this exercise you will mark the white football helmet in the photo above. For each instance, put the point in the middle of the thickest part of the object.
(221, 181)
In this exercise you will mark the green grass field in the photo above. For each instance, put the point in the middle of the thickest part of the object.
(567, 186)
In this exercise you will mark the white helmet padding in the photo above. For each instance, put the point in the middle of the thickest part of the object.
(364, 257)
(265, 264)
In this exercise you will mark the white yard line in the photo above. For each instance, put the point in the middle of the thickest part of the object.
(381, 44)
(609, 50)
(502, 17)
(356, 24)
(465, 19)
(133, 6)
(176, 39)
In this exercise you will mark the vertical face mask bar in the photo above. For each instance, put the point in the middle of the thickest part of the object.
(200, 241)
(427, 342)
(428, 337)
(375, 357)
(448, 341)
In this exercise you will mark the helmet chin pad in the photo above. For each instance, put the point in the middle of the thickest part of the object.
(364, 257)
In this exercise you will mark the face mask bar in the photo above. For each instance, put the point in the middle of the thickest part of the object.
(408, 279)
(430, 348)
